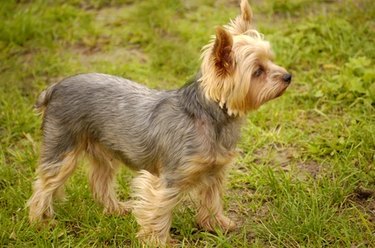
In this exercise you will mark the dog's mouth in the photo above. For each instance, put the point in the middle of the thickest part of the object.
(281, 92)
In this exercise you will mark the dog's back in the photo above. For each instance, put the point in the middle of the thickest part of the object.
(106, 117)
(97, 108)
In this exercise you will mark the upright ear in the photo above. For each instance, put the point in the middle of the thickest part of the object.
(242, 23)
(246, 12)
(222, 52)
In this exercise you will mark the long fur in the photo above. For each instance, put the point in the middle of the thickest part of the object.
(177, 141)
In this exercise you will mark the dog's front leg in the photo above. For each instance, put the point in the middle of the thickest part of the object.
(152, 208)
(210, 210)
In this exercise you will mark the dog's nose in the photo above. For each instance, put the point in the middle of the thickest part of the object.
(287, 78)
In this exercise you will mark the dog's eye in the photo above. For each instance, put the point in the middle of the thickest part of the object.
(258, 72)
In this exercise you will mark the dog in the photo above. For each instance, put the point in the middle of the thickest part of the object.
(177, 141)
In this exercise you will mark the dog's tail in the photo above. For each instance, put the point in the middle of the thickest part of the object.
(44, 98)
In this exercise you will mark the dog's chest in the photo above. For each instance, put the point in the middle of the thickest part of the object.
(217, 142)
(218, 136)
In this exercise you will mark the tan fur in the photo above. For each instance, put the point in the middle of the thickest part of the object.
(237, 73)
(241, 23)
(210, 213)
(50, 184)
(241, 91)
(200, 166)
(47, 186)
(151, 191)
(102, 179)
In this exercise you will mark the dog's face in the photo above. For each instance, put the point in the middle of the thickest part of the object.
(237, 68)
(254, 68)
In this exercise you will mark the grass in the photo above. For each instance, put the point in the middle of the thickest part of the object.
(306, 174)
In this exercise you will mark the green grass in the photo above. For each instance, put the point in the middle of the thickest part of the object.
(306, 174)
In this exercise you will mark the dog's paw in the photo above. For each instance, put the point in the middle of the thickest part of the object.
(121, 208)
(219, 221)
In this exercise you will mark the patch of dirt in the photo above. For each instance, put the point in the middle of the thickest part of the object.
(105, 48)
(91, 46)
(276, 156)
(273, 154)
(111, 15)
(309, 118)
(99, 5)
(284, 158)
(310, 168)
(122, 54)
(365, 199)
(362, 193)
(73, 228)
(246, 207)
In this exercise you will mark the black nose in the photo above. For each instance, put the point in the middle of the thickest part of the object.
(287, 78)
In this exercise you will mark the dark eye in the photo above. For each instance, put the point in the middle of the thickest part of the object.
(258, 72)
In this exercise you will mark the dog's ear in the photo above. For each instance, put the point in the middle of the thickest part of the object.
(242, 23)
(222, 52)
(246, 12)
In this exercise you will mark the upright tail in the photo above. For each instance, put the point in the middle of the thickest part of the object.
(44, 98)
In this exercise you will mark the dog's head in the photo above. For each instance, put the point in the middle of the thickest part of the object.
(237, 68)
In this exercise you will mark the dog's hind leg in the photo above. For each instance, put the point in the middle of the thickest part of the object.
(102, 176)
(58, 162)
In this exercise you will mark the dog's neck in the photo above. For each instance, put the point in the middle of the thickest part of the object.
(197, 105)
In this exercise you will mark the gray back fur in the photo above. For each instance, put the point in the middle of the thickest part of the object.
(140, 125)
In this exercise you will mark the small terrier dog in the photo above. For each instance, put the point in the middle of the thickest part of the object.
(177, 141)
